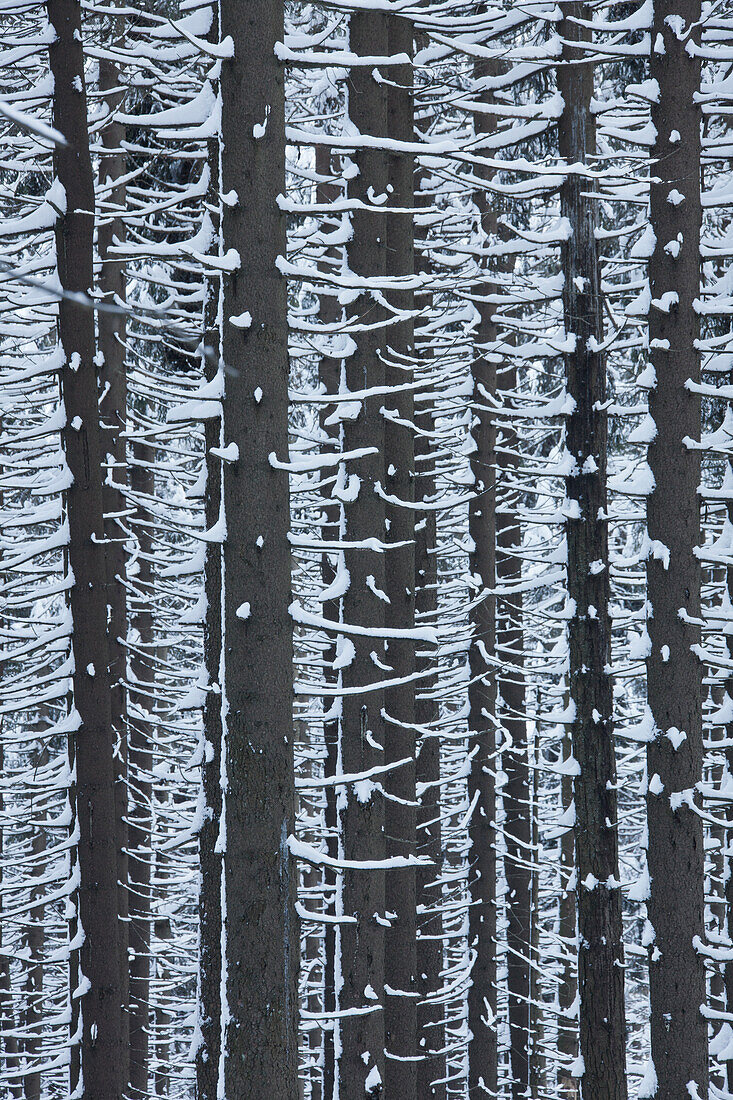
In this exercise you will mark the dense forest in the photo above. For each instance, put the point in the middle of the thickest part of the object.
(366, 549)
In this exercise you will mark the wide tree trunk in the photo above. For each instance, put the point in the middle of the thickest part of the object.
(674, 674)
(93, 744)
(600, 956)
(258, 935)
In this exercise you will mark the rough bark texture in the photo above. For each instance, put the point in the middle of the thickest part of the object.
(140, 763)
(600, 956)
(210, 856)
(329, 371)
(567, 1038)
(113, 411)
(259, 940)
(516, 794)
(431, 1070)
(362, 723)
(674, 674)
(400, 814)
(94, 741)
(482, 1053)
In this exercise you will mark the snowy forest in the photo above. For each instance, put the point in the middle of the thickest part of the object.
(366, 549)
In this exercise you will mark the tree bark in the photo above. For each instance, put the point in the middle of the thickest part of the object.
(258, 935)
(113, 411)
(430, 1013)
(401, 992)
(674, 674)
(140, 763)
(482, 1002)
(329, 369)
(600, 954)
(363, 733)
(93, 744)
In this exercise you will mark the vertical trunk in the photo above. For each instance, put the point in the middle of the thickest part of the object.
(34, 941)
(430, 1026)
(674, 674)
(516, 793)
(140, 763)
(361, 1036)
(431, 1070)
(600, 955)
(8, 1023)
(210, 855)
(482, 1051)
(94, 741)
(258, 937)
(400, 1005)
(567, 1039)
(330, 376)
(113, 412)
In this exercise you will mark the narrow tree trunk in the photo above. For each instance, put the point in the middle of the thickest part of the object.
(258, 939)
(482, 1004)
(674, 758)
(430, 1014)
(401, 993)
(430, 1011)
(94, 742)
(361, 1036)
(330, 313)
(34, 943)
(140, 763)
(567, 1039)
(208, 1050)
(516, 793)
(113, 412)
(600, 955)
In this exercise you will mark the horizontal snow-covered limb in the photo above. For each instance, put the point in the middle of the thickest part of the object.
(317, 462)
(309, 854)
(417, 634)
(347, 779)
(32, 125)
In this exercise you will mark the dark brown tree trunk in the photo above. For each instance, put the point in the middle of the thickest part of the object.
(567, 1039)
(34, 942)
(430, 1013)
(482, 1003)
(113, 412)
(674, 673)
(210, 855)
(400, 811)
(330, 313)
(600, 955)
(93, 744)
(140, 763)
(361, 1065)
(259, 937)
(516, 793)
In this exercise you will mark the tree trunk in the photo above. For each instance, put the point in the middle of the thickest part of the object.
(330, 312)
(400, 950)
(113, 412)
(140, 763)
(431, 1069)
(600, 954)
(482, 1004)
(259, 935)
(93, 744)
(674, 674)
(361, 1036)
(208, 1050)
